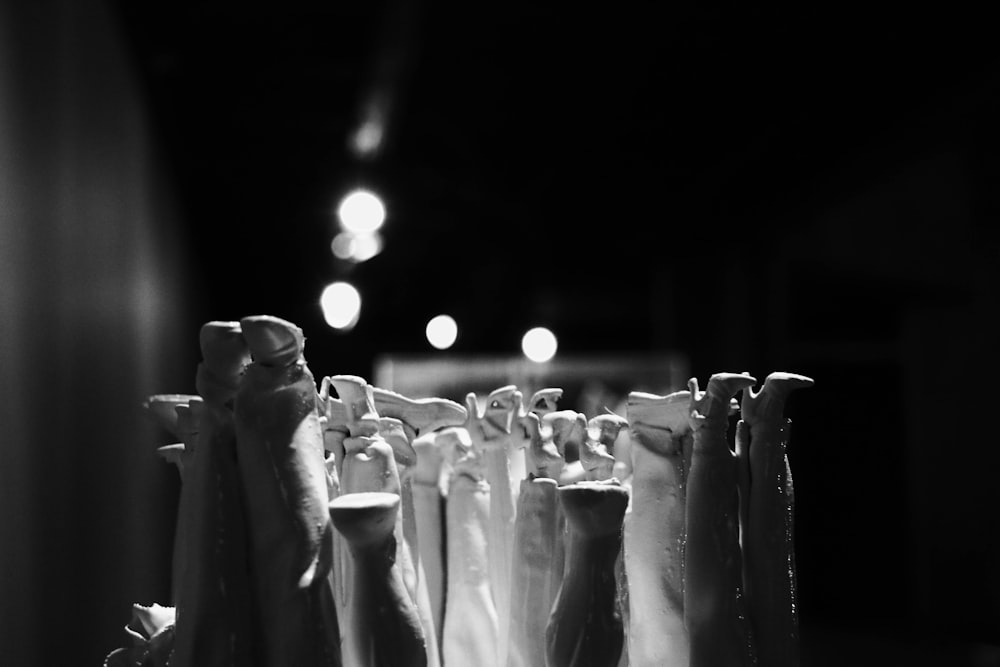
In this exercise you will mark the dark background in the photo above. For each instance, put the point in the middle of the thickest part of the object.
(755, 188)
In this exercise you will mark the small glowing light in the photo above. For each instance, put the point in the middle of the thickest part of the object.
(343, 245)
(368, 138)
(341, 304)
(366, 246)
(442, 332)
(361, 212)
(539, 344)
(356, 247)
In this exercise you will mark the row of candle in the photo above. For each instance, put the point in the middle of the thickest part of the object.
(350, 525)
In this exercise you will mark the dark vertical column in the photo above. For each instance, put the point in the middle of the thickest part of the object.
(91, 291)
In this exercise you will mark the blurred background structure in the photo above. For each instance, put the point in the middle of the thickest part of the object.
(752, 188)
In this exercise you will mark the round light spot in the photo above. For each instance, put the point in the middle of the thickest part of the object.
(539, 344)
(442, 331)
(368, 138)
(366, 246)
(343, 245)
(356, 247)
(341, 304)
(361, 212)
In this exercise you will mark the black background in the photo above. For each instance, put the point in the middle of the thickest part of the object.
(542, 158)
